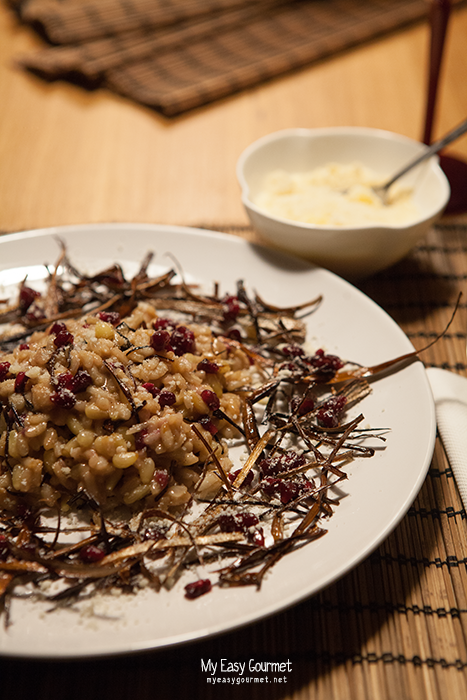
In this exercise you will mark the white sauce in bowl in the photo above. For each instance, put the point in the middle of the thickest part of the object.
(335, 195)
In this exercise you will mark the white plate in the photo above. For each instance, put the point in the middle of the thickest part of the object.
(378, 493)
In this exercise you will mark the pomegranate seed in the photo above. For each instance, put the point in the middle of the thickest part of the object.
(160, 340)
(64, 398)
(270, 485)
(20, 382)
(197, 588)
(64, 381)
(57, 327)
(247, 520)
(26, 298)
(151, 388)
(288, 491)
(240, 521)
(231, 308)
(182, 340)
(73, 383)
(210, 399)
(139, 439)
(326, 365)
(302, 406)
(330, 412)
(112, 317)
(153, 533)
(91, 553)
(270, 465)
(4, 369)
(247, 480)
(62, 339)
(34, 315)
(208, 366)
(208, 425)
(23, 346)
(243, 522)
(281, 463)
(81, 381)
(227, 523)
(163, 323)
(293, 351)
(62, 334)
(292, 460)
(235, 334)
(166, 398)
(306, 406)
(257, 537)
(161, 477)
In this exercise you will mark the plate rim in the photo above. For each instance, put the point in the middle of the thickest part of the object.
(188, 637)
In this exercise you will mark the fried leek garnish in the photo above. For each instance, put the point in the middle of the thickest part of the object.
(297, 429)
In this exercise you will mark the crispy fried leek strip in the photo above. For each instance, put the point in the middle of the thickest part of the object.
(156, 546)
(213, 456)
(252, 459)
(358, 372)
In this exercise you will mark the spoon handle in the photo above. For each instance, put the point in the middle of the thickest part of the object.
(430, 151)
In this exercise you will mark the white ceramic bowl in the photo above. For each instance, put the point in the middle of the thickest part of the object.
(354, 251)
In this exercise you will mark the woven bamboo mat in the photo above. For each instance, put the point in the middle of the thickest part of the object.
(175, 55)
(395, 628)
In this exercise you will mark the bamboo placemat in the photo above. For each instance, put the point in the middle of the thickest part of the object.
(394, 628)
(175, 55)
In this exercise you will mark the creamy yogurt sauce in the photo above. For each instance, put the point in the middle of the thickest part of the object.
(335, 195)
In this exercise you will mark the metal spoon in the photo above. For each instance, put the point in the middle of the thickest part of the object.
(382, 190)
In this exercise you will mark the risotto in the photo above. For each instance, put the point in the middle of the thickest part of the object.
(120, 403)
(107, 406)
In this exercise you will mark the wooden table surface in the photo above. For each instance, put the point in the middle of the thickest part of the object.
(68, 156)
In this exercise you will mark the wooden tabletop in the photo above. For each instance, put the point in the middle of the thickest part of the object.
(395, 627)
(68, 156)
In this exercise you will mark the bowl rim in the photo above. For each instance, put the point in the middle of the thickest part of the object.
(384, 134)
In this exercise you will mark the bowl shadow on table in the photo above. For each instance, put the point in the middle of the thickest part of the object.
(334, 631)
